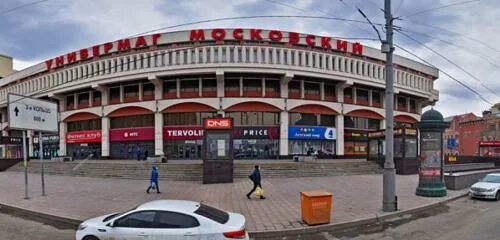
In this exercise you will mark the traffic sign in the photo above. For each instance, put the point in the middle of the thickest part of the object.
(27, 113)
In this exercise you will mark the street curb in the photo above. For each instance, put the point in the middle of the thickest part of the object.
(351, 224)
(40, 216)
(73, 223)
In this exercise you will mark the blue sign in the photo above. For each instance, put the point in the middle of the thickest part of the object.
(452, 143)
(311, 133)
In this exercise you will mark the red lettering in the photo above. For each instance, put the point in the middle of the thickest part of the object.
(255, 34)
(107, 47)
(293, 38)
(197, 35)
(95, 51)
(123, 44)
(155, 37)
(310, 40)
(275, 35)
(84, 54)
(140, 42)
(59, 61)
(48, 63)
(238, 34)
(342, 45)
(218, 34)
(71, 57)
(325, 42)
(357, 48)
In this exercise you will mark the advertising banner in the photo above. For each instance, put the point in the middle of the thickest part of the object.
(92, 136)
(183, 133)
(256, 132)
(311, 133)
(132, 134)
(430, 154)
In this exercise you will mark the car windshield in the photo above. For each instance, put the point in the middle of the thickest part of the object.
(212, 213)
(116, 214)
(491, 179)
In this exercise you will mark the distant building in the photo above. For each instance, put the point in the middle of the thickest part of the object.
(451, 135)
(490, 135)
(6, 66)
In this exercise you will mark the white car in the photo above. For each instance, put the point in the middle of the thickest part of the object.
(488, 187)
(166, 220)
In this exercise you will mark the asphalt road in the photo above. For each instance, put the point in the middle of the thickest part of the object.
(20, 228)
(462, 219)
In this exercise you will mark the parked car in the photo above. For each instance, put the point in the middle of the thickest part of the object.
(165, 219)
(487, 188)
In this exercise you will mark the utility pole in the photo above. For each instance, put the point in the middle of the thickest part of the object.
(389, 192)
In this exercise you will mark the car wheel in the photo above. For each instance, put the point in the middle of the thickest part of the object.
(90, 238)
(498, 195)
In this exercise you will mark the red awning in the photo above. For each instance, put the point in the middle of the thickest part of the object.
(81, 116)
(189, 107)
(130, 111)
(405, 119)
(365, 114)
(314, 108)
(253, 107)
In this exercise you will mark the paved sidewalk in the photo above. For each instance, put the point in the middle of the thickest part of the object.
(355, 197)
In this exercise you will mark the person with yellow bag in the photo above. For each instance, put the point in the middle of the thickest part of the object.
(257, 187)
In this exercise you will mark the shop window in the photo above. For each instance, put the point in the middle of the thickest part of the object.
(311, 91)
(133, 121)
(272, 88)
(252, 87)
(413, 106)
(189, 88)
(148, 91)
(294, 89)
(401, 103)
(254, 118)
(330, 93)
(373, 124)
(97, 99)
(348, 96)
(170, 89)
(232, 87)
(114, 95)
(70, 102)
(410, 148)
(209, 87)
(355, 148)
(83, 100)
(327, 120)
(361, 123)
(376, 99)
(303, 119)
(131, 93)
(93, 124)
(362, 97)
(311, 147)
(186, 118)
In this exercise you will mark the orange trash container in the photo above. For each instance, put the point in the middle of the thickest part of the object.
(316, 206)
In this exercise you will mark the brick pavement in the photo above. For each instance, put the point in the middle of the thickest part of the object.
(354, 197)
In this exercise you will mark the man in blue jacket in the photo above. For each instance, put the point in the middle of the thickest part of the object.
(255, 177)
(154, 180)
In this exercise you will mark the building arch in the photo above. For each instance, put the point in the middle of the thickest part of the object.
(364, 113)
(189, 107)
(314, 108)
(405, 118)
(80, 116)
(129, 111)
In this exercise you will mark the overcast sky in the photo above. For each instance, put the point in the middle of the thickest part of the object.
(53, 27)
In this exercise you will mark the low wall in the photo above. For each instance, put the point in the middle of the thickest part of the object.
(461, 180)
(7, 163)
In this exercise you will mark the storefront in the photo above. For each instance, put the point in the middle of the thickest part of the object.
(183, 142)
(256, 142)
(489, 148)
(11, 147)
(405, 149)
(132, 143)
(50, 146)
(84, 144)
(355, 143)
(311, 140)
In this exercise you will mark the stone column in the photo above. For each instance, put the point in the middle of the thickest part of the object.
(284, 84)
(219, 74)
(159, 134)
(339, 125)
(284, 133)
(62, 139)
(105, 151)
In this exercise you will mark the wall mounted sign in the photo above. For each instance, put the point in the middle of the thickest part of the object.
(311, 133)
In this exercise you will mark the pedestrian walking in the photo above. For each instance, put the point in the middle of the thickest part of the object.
(256, 179)
(153, 184)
